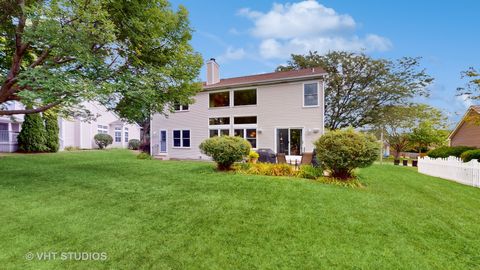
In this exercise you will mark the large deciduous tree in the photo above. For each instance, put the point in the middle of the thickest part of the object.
(58, 53)
(359, 88)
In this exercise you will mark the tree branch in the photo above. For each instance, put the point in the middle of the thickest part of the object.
(40, 59)
(30, 111)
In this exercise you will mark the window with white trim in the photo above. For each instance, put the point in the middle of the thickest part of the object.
(118, 134)
(101, 129)
(310, 95)
(126, 135)
(249, 134)
(181, 138)
(219, 132)
(180, 108)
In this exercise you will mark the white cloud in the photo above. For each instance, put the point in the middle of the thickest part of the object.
(308, 25)
(232, 53)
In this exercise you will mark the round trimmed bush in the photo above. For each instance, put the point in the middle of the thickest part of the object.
(470, 154)
(341, 151)
(32, 137)
(134, 144)
(103, 140)
(225, 150)
(447, 151)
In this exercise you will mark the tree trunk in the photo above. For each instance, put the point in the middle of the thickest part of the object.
(145, 138)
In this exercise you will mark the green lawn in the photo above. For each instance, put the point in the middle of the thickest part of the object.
(149, 214)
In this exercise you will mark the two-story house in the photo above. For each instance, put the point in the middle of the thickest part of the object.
(282, 111)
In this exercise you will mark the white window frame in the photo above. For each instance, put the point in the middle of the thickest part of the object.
(101, 129)
(182, 108)
(181, 138)
(318, 95)
(115, 131)
(126, 134)
(289, 128)
(230, 100)
(248, 105)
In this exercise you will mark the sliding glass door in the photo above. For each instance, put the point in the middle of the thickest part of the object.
(289, 141)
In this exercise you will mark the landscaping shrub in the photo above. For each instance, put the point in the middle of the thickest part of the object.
(309, 172)
(470, 154)
(447, 151)
(134, 144)
(225, 150)
(253, 156)
(52, 131)
(351, 183)
(103, 140)
(341, 151)
(144, 155)
(32, 137)
(271, 169)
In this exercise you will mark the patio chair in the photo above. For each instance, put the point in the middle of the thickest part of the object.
(281, 159)
(306, 158)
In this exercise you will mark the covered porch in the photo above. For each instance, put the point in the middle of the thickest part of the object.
(8, 136)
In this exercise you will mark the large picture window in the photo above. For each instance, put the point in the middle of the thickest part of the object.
(181, 138)
(219, 99)
(241, 120)
(245, 97)
(310, 94)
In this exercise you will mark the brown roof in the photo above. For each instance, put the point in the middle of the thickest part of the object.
(279, 76)
(476, 108)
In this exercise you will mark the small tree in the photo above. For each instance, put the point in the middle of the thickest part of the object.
(52, 131)
(225, 150)
(341, 151)
(32, 137)
(426, 135)
(103, 140)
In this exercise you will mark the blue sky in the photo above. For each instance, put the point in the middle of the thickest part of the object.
(249, 37)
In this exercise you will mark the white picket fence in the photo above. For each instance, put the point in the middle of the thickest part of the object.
(452, 168)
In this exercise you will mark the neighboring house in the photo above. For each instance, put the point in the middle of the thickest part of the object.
(9, 129)
(282, 111)
(467, 131)
(73, 132)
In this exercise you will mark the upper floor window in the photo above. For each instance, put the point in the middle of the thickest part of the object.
(239, 120)
(219, 99)
(245, 97)
(310, 95)
(178, 107)
(102, 129)
(219, 121)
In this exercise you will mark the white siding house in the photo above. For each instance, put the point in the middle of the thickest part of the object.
(73, 132)
(282, 111)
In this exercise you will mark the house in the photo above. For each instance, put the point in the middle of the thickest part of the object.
(74, 132)
(282, 111)
(467, 131)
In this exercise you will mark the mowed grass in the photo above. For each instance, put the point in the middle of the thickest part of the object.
(150, 214)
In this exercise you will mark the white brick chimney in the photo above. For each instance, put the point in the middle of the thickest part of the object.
(213, 72)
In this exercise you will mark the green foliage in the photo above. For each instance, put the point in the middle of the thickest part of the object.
(363, 86)
(52, 131)
(133, 144)
(470, 154)
(472, 87)
(341, 151)
(32, 137)
(447, 151)
(426, 135)
(270, 169)
(59, 53)
(103, 140)
(253, 156)
(144, 155)
(309, 172)
(71, 148)
(225, 150)
(350, 183)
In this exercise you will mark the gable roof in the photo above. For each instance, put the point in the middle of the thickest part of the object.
(475, 108)
(267, 78)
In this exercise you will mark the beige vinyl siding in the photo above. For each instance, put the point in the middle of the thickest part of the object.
(467, 134)
(278, 106)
